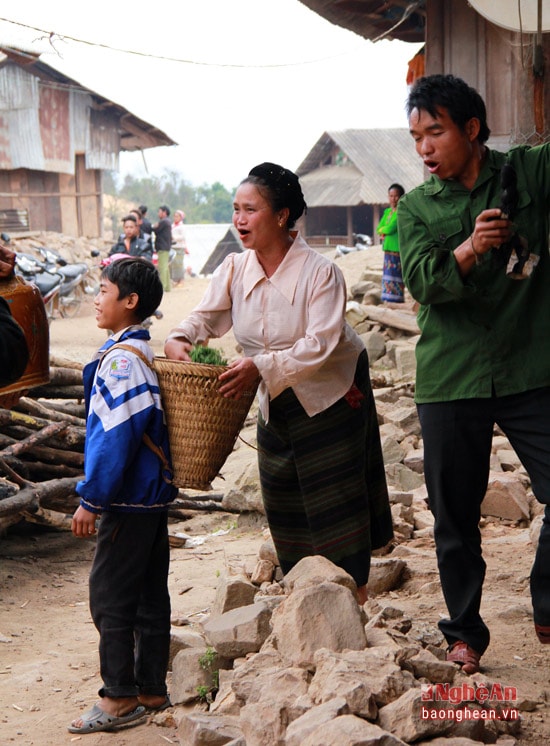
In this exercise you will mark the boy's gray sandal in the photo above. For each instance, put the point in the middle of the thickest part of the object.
(96, 719)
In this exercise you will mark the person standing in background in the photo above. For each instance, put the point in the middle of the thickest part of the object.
(130, 241)
(146, 227)
(177, 268)
(393, 288)
(163, 244)
(145, 222)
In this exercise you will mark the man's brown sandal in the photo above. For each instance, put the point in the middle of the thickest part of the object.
(543, 633)
(461, 653)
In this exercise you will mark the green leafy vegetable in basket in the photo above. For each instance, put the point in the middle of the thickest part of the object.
(207, 355)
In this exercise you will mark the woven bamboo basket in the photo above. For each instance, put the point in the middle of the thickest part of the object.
(202, 425)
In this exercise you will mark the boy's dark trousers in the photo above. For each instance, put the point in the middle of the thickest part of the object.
(457, 448)
(130, 604)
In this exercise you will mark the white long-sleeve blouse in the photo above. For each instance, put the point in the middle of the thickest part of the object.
(292, 324)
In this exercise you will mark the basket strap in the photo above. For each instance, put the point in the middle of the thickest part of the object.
(130, 348)
(157, 450)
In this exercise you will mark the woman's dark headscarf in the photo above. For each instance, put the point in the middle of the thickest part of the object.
(282, 187)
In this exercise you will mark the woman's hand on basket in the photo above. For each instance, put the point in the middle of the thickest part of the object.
(178, 349)
(239, 378)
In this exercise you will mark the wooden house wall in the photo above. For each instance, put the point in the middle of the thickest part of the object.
(495, 61)
(62, 203)
(53, 168)
(88, 201)
(330, 225)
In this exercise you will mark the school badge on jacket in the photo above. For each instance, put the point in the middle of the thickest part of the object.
(120, 368)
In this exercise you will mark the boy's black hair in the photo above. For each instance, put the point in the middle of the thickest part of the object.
(165, 209)
(448, 92)
(136, 275)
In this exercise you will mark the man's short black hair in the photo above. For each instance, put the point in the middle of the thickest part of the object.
(136, 275)
(165, 209)
(448, 92)
(143, 210)
(129, 217)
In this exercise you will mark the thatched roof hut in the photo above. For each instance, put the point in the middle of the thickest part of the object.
(345, 179)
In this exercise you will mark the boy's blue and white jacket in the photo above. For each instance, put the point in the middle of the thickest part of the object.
(122, 474)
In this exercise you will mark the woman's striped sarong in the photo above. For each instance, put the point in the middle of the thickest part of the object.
(393, 287)
(323, 480)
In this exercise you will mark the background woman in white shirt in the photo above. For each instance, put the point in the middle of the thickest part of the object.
(320, 460)
(177, 268)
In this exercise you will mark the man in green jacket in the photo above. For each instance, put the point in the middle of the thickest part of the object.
(474, 250)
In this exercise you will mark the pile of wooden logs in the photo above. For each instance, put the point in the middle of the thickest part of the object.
(42, 449)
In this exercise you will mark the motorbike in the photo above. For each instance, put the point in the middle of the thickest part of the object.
(61, 285)
(75, 283)
(361, 242)
(32, 271)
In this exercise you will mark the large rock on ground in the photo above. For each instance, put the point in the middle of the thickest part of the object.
(404, 718)
(245, 495)
(200, 729)
(322, 616)
(231, 593)
(270, 699)
(254, 681)
(310, 571)
(385, 575)
(506, 497)
(240, 631)
(366, 679)
(299, 729)
(187, 675)
(349, 730)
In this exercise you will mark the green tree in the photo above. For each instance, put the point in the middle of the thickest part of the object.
(203, 204)
(215, 204)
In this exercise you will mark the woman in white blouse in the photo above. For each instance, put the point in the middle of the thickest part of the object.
(177, 268)
(320, 460)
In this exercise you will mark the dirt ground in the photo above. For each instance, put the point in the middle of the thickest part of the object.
(48, 645)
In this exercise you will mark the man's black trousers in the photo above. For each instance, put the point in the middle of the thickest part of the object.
(457, 449)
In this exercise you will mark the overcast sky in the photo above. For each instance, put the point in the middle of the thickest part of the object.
(247, 80)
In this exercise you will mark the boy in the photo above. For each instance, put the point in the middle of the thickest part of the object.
(127, 483)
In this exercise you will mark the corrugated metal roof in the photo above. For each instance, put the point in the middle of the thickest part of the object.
(132, 133)
(352, 167)
(394, 19)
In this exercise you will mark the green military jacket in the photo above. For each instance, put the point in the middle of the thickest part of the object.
(484, 333)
